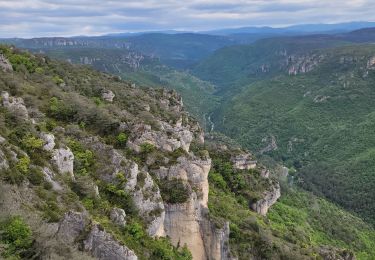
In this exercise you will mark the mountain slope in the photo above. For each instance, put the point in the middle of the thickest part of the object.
(317, 117)
(145, 71)
(90, 165)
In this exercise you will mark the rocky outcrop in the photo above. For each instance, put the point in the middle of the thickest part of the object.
(321, 99)
(244, 161)
(118, 217)
(169, 138)
(268, 199)
(71, 226)
(271, 144)
(49, 141)
(147, 198)
(139, 184)
(182, 225)
(102, 245)
(371, 63)
(216, 240)
(108, 95)
(49, 177)
(5, 65)
(183, 221)
(63, 158)
(14, 105)
(303, 64)
(329, 253)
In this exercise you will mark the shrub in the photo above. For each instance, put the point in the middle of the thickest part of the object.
(174, 191)
(136, 230)
(121, 139)
(97, 101)
(32, 143)
(147, 148)
(17, 235)
(57, 80)
(21, 60)
(23, 164)
(61, 111)
(83, 158)
(35, 176)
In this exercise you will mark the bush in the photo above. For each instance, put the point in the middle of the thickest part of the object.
(83, 158)
(57, 80)
(35, 176)
(18, 61)
(121, 139)
(23, 164)
(17, 236)
(174, 191)
(136, 230)
(61, 111)
(147, 148)
(32, 143)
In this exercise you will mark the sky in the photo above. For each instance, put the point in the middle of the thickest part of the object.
(37, 18)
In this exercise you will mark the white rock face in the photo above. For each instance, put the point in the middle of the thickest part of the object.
(216, 241)
(108, 95)
(147, 198)
(244, 162)
(118, 217)
(183, 227)
(5, 65)
(49, 141)
(168, 139)
(269, 198)
(183, 221)
(103, 246)
(15, 105)
(64, 159)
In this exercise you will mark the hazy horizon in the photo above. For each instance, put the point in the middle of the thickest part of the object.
(41, 18)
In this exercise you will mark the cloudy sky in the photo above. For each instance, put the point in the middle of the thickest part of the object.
(31, 18)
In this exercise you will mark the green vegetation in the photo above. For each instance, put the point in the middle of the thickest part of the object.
(174, 191)
(322, 120)
(16, 235)
(197, 94)
(295, 227)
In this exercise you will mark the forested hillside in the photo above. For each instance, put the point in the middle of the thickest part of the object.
(313, 110)
(88, 162)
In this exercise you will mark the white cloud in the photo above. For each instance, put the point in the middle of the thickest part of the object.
(30, 18)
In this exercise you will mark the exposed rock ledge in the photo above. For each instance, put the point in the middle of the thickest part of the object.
(98, 242)
(243, 161)
(269, 198)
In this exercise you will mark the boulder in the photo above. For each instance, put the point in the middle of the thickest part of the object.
(14, 105)
(118, 217)
(49, 141)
